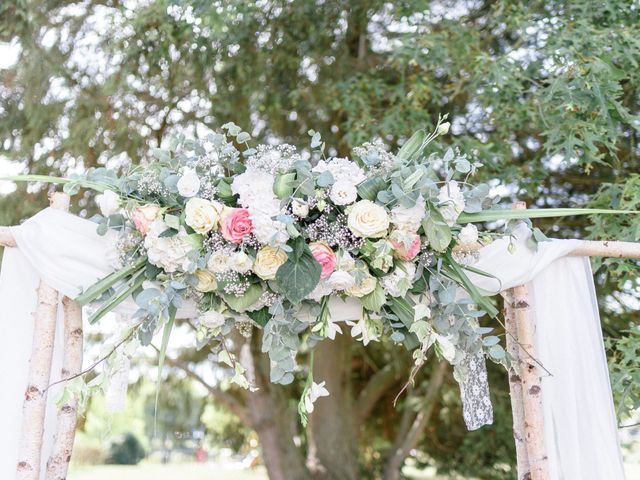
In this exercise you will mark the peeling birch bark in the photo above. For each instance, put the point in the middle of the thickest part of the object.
(515, 387)
(35, 398)
(58, 462)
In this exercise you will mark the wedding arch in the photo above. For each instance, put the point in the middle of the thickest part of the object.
(246, 238)
(525, 379)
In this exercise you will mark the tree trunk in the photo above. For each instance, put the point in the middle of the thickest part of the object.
(332, 431)
(272, 418)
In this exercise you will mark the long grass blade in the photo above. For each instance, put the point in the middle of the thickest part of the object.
(517, 214)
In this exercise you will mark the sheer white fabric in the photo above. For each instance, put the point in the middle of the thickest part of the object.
(581, 435)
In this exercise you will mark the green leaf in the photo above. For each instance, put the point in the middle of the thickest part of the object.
(437, 231)
(261, 317)
(369, 188)
(300, 274)
(117, 300)
(403, 309)
(457, 274)
(515, 214)
(374, 300)
(413, 146)
(109, 281)
(240, 304)
(283, 185)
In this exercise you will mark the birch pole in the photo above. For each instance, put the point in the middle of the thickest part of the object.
(35, 397)
(515, 387)
(531, 382)
(58, 462)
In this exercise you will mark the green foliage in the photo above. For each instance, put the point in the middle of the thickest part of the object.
(126, 451)
(300, 273)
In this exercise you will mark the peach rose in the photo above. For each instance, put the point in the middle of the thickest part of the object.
(236, 224)
(403, 252)
(144, 216)
(325, 257)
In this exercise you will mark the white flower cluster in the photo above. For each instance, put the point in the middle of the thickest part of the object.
(255, 189)
(273, 159)
(168, 253)
(409, 219)
(346, 177)
(398, 282)
(222, 262)
(451, 201)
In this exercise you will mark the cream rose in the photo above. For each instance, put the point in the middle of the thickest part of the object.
(365, 287)
(202, 215)
(268, 261)
(206, 281)
(368, 220)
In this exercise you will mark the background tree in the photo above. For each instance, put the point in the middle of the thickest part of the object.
(545, 93)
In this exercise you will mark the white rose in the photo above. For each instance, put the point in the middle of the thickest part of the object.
(409, 219)
(218, 262)
(468, 235)
(451, 201)
(299, 209)
(189, 183)
(365, 287)
(340, 280)
(206, 281)
(240, 262)
(268, 261)
(343, 192)
(202, 215)
(211, 319)
(109, 202)
(367, 219)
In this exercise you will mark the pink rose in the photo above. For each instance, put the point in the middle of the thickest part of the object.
(404, 253)
(236, 224)
(325, 257)
(144, 216)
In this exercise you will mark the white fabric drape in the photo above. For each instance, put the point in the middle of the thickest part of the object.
(581, 432)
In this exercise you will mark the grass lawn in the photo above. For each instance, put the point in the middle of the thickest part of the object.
(150, 471)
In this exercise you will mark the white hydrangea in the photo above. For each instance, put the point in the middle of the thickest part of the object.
(168, 253)
(109, 202)
(343, 192)
(409, 219)
(341, 169)
(451, 201)
(398, 282)
(253, 187)
(267, 230)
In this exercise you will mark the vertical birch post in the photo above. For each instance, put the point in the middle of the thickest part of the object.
(58, 462)
(35, 397)
(515, 387)
(530, 382)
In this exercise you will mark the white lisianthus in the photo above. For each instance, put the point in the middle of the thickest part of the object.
(202, 215)
(451, 201)
(340, 280)
(341, 169)
(364, 287)
(189, 183)
(443, 128)
(211, 319)
(314, 392)
(368, 220)
(398, 282)
(343, 192)
(218, 262)
(322, 289)
(109, 202)
(409, 219)
(206, 281)
(468, 235)
(240, 262)
(168, 253)
(299, 209)
(268, 261)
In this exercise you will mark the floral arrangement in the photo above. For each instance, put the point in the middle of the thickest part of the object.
(266, 236)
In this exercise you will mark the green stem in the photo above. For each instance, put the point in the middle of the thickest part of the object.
(518, 214)
(109, 281)
(114, 302)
